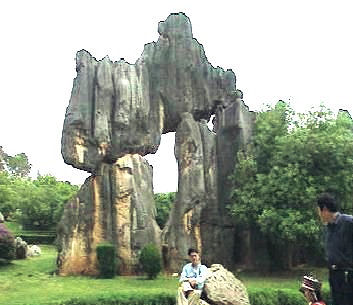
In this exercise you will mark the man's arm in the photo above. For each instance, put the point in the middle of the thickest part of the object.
(183, 275)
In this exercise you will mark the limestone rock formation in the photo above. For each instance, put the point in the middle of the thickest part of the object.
(234, 126)
(195, 219)
(117, 113)
(118, 108)
(117, 206)
(223, 288)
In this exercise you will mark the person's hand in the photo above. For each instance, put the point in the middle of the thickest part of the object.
(192, 282)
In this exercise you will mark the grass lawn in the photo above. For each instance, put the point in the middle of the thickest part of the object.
(31, 281)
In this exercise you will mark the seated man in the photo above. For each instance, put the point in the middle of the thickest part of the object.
(192, 280)
(311, 288)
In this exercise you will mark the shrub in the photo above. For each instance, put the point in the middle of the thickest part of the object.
(107, 261)
(136, 299)
(38, 237)
(7, 245)
(151, 261)
(280, 297)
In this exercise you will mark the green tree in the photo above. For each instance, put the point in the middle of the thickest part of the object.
(18, 165)
(42, 200)
(293, 158)
(8, 194)
(164, 202)
(3, 157)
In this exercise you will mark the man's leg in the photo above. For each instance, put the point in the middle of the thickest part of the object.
(194, 297)
(341, 285)
(180, 299)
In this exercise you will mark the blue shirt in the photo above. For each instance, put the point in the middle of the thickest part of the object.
(199, 273)
(339, 241)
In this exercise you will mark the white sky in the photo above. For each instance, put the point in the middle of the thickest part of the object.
(298, 51)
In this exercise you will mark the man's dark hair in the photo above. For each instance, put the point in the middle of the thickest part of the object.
(327, 200)
(192, 250)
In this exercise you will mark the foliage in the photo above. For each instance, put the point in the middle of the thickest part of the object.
(7, 245)
(18, 165)
(107, 260)
(270, 296)
(151, 261)
(164, 202)
(116, 299)
(8, 195)
(35, 203)
(294, 157)
(37, 237)
(44, 201)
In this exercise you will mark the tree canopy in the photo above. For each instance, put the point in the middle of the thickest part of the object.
(293, 158)
(33, 202)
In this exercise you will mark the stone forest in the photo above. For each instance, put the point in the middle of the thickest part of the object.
(116, 115)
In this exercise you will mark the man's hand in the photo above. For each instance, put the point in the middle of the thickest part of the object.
(192, 283)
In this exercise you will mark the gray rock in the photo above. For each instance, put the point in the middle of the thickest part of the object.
(118, 108)
(235, 124)
(21, 248)
(117, 206)
(195, 219)
(223, 288)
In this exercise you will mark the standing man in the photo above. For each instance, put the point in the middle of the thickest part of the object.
(192, 280)
(339, 249)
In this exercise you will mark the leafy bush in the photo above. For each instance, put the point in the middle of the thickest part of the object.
(38, 237)
(107, 260)
(164, 202)
(151, 261)
(279, 297)
(136, 299)
(7, 245)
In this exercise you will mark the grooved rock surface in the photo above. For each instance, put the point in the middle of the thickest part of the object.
(234, 127)
(223, 288)
(117, 206)
(118, 108)
(118, 112)
(194, 219)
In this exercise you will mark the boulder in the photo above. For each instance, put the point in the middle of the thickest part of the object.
(223, 288)
(34, 250)
(21, 248)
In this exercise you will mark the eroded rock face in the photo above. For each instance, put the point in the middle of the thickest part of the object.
(117, 206)
(117, 112)
(223, 288)
(234, 127)
(118, 108)
(194, 219)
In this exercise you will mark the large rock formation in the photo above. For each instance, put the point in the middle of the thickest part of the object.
(118, 108)
(183, 229)
(116, 205)
(195, 219)
(117, 112)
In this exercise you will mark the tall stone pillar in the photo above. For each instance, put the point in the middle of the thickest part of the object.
(116, 206)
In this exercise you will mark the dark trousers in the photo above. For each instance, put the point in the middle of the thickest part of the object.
(341, 284)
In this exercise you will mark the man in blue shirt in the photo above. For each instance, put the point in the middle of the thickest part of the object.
(339, 249)
(192, 280)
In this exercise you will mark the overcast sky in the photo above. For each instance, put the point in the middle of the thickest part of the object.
(297, 51)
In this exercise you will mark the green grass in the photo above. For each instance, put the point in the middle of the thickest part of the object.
(31, 281)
